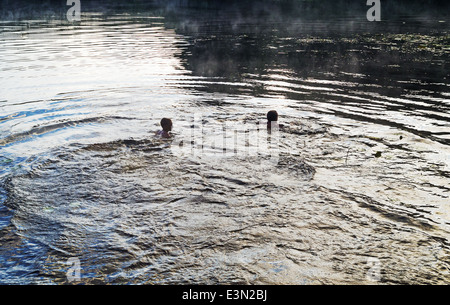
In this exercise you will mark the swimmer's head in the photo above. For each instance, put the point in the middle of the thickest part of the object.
(166, 124)
(272, 116)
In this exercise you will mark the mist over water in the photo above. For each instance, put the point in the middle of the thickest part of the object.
(358, 177)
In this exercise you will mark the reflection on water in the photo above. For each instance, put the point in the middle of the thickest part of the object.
(361, 170)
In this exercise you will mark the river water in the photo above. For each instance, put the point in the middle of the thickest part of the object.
(354, 189)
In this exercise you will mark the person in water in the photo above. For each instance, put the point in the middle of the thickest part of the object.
(166, 125)
(272, 120)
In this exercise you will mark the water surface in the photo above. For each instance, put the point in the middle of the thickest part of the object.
(360, 174)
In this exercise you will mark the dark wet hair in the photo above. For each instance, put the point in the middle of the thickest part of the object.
(166, 124)
(272, 115)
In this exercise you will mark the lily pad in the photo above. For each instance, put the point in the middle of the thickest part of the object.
(48, 209)
(74, 204)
